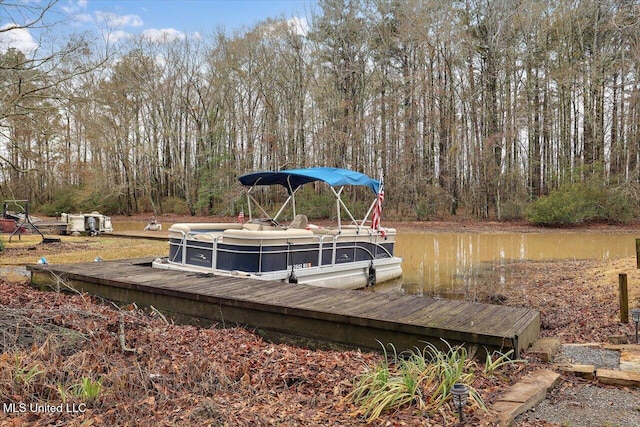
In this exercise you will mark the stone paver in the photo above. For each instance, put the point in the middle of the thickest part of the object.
(630, 360)
(584, 371)
(524, 395)
(545, 348)
(614, 377)
(532, 389)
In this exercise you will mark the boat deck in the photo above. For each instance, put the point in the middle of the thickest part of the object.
(357, 318)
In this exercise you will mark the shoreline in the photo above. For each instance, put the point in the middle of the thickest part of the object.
(457, 225)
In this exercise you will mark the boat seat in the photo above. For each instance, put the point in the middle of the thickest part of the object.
(252, 226)
(188, 227)
(268, 237)
(204, 237)
(318, 230)
(299, 221)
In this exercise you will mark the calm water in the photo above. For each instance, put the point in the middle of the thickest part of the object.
(442, 263)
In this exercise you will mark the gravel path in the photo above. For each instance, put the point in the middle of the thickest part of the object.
(586, 405)
(20, 270)
(582, 403)
(586, 355)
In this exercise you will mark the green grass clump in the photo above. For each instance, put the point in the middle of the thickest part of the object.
(87, 390)
(422, 378)
(497, 360)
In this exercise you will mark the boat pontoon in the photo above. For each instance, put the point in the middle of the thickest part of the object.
(347, 256)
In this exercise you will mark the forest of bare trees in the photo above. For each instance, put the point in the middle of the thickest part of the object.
(478, 107)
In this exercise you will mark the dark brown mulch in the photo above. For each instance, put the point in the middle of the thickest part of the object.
(158, 373)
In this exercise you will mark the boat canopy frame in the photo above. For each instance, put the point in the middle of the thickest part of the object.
(293, 179)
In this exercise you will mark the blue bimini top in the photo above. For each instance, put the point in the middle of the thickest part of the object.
(293, 178)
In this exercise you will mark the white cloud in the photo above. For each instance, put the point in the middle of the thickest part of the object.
(115, 20)
(116, 36)
(76, 10)
(299, 25)
(18, 38)
(83, 18)
(163, 35)
(72, 7)
(69, 8)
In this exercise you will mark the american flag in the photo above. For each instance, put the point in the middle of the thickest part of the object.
(377, 210)
(241, 217)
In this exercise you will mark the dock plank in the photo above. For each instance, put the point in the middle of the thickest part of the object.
(217, 287)
(435, 312)
(418, 316)
(355, 318)
(359, 307)
(315, 305)
(398, 309)
(509, 319)
(264, 294)
(474, 319)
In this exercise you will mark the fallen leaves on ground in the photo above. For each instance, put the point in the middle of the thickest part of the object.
(578, 300)
(159, 373)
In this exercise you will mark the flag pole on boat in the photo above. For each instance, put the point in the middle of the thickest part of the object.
(376, 216)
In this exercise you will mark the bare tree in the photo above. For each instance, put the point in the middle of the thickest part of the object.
(30, 79)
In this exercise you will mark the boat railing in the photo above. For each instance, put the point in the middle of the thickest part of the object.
(355, 245)
(182, 244)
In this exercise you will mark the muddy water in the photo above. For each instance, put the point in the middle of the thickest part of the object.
(451, 264)
(443, 264)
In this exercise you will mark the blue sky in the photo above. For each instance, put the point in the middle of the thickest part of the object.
(154, 18)
(194, 15)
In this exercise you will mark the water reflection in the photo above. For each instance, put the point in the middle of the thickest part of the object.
(442, 264)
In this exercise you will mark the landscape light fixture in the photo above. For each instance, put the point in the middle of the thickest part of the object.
(460, 393)
(635, 315)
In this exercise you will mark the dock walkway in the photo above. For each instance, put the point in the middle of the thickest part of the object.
(353, 318)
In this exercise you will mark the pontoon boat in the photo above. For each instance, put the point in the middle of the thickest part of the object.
(90, 223)
(345, 256)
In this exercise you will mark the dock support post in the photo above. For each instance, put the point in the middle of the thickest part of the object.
(624, 298)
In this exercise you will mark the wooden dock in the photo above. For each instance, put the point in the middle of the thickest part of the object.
(357, 318)
(141, 234)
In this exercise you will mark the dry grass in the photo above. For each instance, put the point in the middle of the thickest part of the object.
(605, 277)
(578, 300)
(72, 249)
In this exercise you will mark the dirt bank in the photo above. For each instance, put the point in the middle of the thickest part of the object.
(451, 225)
